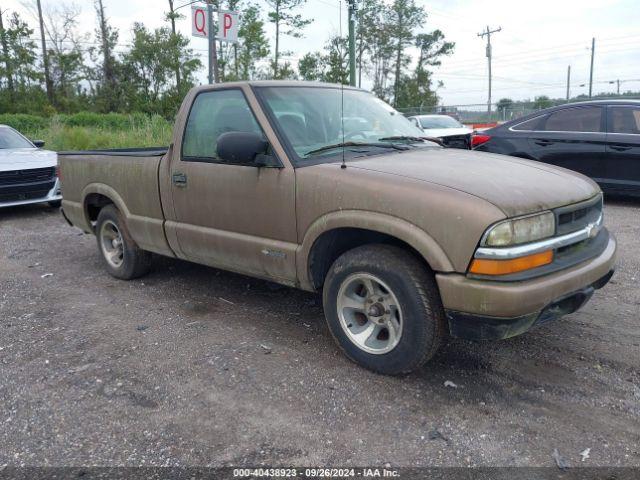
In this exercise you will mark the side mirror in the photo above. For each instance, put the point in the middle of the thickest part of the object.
(38, 143)
(244, 148)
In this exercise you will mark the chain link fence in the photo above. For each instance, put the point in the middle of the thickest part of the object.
(477, 113)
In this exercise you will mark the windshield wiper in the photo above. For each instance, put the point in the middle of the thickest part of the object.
(403, 137)
(412, 139)
(355, 144)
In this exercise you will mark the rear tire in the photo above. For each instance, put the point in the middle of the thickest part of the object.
(122, 257)
(383, 308)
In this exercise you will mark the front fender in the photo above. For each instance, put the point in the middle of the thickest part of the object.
(396, 227)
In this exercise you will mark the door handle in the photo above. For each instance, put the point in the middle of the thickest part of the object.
(179, 179)
(619, 148)
(543, 143)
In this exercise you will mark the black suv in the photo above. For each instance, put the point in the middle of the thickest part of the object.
(600, 139)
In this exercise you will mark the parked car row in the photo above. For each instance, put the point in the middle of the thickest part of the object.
(28, 174)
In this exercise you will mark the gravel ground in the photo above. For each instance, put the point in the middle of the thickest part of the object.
(195, 366)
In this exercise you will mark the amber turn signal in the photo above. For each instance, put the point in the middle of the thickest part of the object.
(483, 266)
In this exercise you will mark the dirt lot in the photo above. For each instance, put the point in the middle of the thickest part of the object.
(194, 366)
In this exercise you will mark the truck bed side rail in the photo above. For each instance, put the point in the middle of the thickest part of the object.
(122, 152)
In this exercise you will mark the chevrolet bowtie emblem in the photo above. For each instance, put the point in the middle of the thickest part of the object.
(592, 230)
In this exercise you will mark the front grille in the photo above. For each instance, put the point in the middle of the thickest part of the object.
(19, 197)
(17, 177)
(576, 217)
(457, 141)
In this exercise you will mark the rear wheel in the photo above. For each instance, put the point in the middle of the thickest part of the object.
(383, 308)
(122, 257)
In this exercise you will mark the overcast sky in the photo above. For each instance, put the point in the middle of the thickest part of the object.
(539, 39)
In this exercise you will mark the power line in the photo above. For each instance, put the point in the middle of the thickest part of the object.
(570, 47)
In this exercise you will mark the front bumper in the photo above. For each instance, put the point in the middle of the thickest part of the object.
(516, 306)
(478, 327)
(51, 195)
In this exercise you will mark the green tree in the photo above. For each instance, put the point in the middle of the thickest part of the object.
(541, 102)
(286, 22)
(254, 45)
(331, 66)
(415, 90)
(149, 67)
(172, 16)
(18, 68)
(310, 67)
(66, 56)
(107, 84)
(377, 43)
(504, 104)
(404, 17)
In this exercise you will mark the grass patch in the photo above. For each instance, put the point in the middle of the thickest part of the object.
(89, 131)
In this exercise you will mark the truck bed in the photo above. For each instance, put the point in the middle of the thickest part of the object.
(121, 152)
(128, 178)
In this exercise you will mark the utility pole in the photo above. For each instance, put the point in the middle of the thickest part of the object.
(45, 56)
(172, 18)
(352, 42)
(568, 81)
(214, 75)
(593, 48)
(488, 33)
(617, 82)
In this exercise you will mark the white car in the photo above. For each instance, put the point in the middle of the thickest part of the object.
(27, 173)
(452, 133)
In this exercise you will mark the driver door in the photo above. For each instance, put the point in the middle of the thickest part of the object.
(237, 217)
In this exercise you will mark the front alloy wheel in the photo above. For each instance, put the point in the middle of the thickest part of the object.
(383, 307)
(369, 313)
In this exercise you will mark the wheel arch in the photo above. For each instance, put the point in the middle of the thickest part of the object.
(96, 196)
(335, 233)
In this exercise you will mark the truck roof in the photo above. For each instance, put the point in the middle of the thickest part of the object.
(278, 83)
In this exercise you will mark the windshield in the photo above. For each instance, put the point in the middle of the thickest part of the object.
(311, 118)
(9, 138)
(440, 121)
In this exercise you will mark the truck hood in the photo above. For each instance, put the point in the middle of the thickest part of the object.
(514, 185)
(26, 158)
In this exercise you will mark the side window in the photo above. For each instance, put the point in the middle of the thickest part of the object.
(624, 120)
(584, 119)
(212, 114)
(532, 124)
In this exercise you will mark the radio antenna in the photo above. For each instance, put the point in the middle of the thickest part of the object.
(344, 163)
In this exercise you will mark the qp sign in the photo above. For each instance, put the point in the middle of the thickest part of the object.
(199, 23)
(228, 26)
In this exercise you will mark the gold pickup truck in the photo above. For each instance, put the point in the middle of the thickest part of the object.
(329, 189)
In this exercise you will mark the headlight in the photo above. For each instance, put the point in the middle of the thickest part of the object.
(520, 230)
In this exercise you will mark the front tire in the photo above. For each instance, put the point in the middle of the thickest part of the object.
(383, 308)
(122, 257)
